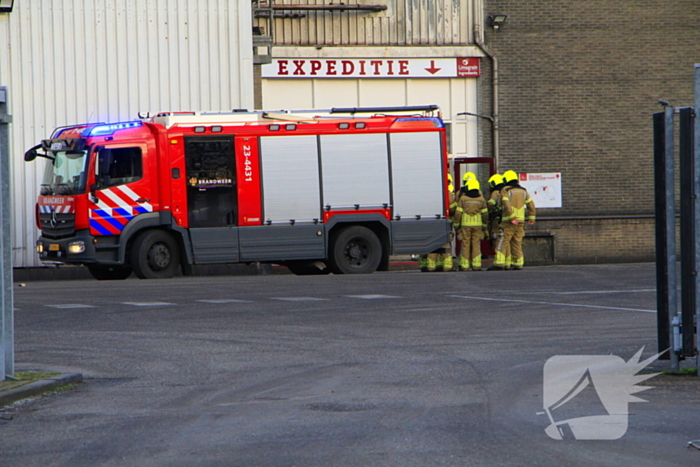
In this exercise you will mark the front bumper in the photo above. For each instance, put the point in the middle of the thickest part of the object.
(81, 248)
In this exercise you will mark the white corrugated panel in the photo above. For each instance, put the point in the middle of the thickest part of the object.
(404, 22)
(290, 177)
(355, 171)
(416, 165)
(73, 61)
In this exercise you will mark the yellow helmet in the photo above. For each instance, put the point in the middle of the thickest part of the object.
(450, 183)
(509, 176)
(495, 179)
(468, 176)
(473, 184)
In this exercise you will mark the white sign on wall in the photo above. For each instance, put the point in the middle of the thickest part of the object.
(544, 189)
(459, 67)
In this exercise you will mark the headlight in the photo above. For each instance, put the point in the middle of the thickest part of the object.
(40, 248)
(76, 247)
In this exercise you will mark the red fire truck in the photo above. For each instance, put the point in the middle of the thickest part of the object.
(317, 191)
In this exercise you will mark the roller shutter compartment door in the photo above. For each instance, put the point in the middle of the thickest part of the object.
(290, 178)
(417, 175)
(355, 171)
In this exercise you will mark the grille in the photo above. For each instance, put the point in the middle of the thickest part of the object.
(60, 226)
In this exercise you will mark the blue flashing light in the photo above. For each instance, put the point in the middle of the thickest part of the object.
(436, 121)
(105, 130)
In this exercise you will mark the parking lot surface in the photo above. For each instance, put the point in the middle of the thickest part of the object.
(396, 368)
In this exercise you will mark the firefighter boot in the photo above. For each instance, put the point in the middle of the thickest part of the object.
(431, 262)
(447, 263)
(423, 263)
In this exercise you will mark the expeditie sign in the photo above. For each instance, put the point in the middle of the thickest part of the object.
(372, 68)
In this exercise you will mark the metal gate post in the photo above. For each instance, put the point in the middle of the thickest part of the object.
(666, 300)
(696, 186)
(7, 354)
(688, 221)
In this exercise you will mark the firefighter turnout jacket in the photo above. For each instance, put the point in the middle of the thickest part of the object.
(515, 200)
(471, 211)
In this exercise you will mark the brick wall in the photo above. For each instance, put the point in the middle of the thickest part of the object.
(579, 82)
(596, 241)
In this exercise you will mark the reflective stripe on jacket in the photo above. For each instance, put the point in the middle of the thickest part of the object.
(515, 199)
(471, 212)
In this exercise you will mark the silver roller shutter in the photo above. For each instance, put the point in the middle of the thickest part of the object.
(355, 171)
(290, 175)
(417, 173)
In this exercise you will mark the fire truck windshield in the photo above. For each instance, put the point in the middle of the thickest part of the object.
(66, 174)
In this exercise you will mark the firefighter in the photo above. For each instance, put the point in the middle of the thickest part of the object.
(441, 259)
(517, 208)
(471, 217)
(496, 184)
(465, 178)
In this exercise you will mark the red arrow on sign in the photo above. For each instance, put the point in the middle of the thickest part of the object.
(432, 70)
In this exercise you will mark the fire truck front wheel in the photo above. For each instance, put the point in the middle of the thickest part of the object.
(155, 255)
(355, 250)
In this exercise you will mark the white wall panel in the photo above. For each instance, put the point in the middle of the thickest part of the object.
(453, 95)
(74, 61)
(290, 94)
(335, 93)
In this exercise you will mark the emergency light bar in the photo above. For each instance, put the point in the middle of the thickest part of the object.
(408, 108)
(104, 130)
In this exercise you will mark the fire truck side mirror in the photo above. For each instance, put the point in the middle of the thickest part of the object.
(31, 154)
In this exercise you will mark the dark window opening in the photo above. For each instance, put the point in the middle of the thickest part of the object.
(125, 166)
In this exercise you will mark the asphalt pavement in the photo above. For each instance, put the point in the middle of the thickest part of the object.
(399, 368)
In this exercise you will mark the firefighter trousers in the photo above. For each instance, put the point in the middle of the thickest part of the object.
(510, 247)
(470, 254)
(443, 260)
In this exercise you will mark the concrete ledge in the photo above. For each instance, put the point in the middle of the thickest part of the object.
(35, 388)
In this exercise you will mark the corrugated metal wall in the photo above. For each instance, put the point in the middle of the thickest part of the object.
(73, 61)
(404, 22)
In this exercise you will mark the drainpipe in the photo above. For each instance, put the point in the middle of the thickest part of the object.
(494, 82)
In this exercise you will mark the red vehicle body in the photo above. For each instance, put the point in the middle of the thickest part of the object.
(318, 193)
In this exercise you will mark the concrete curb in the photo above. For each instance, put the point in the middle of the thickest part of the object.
(38, 387)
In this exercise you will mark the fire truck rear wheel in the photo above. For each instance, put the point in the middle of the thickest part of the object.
(155, 255)
(355, 250)
(109, 273)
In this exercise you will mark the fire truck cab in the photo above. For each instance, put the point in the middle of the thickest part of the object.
(317, 191)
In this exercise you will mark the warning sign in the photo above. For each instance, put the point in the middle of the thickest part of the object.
(544, 189)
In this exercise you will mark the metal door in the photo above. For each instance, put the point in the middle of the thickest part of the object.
(211, 198)
(483, 168)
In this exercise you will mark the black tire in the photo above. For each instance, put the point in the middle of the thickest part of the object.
(355, 250)
(109, 273)
(307, 268)
(155, 255)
